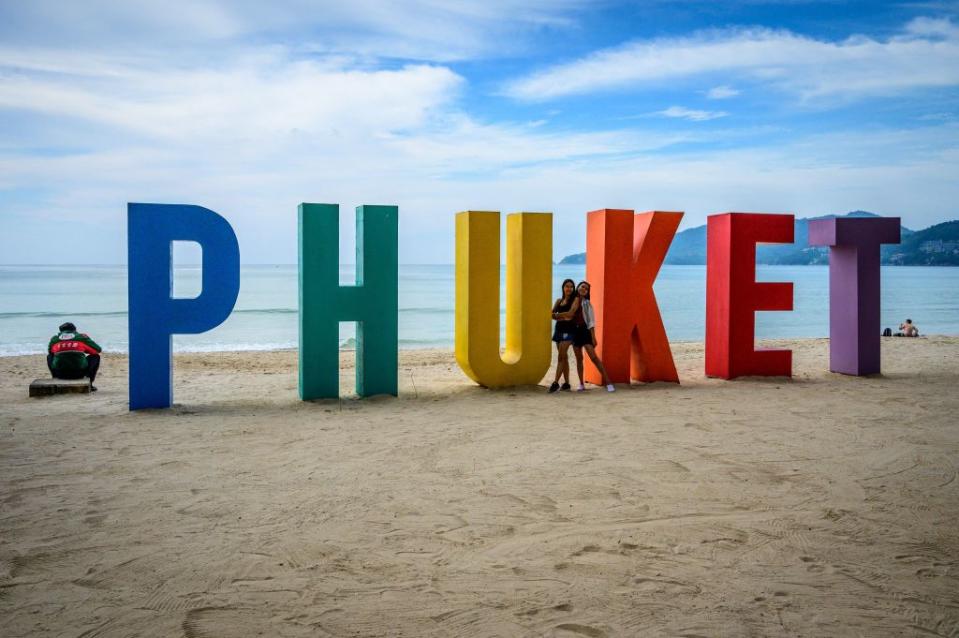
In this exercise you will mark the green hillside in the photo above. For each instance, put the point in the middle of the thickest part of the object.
(935, 246)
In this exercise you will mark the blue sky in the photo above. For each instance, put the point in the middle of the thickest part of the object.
(249, 108)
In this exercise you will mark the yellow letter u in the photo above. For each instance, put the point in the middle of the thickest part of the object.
(529, 271)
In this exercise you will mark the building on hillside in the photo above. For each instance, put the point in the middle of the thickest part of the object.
(939, 246)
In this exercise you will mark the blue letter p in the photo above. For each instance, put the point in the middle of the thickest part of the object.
(154, 316)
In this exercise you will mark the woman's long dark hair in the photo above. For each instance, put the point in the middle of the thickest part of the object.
(562, 294)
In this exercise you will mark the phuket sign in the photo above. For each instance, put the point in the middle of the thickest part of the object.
(624, 254)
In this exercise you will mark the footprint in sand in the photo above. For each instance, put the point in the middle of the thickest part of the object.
(580, 630)
(225, 622)
(811, 564)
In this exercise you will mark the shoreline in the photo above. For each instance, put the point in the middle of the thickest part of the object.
(817, 505)
(444, 348)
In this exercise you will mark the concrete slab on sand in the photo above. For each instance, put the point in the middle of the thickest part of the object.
(49, 387)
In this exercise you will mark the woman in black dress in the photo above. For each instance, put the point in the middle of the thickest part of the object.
(584, 338)
(564, 331)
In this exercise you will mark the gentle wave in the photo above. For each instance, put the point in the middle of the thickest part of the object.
(19, 350)
(22, 315)
(240, 311)
(429, 311)
(123, 313)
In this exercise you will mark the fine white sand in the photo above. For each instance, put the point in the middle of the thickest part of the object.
(824, 505)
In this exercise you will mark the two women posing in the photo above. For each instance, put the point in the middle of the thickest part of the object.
(575, 326)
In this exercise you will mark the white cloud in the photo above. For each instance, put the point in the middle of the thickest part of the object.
(255, 98)
(722, 92)
(691, 114)
(254, 137)
(251, 130)
(939, 116)
(456, 163)
(940, 27)
(924, 54)
(413, 29)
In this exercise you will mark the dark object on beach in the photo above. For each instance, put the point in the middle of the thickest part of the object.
(49, 387)
(887, 332)
(73, 355)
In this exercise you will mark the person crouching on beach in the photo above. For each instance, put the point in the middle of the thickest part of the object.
(584, 338)
(563, 312)
(73, 355)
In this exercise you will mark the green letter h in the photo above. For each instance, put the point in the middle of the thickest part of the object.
(371, 303)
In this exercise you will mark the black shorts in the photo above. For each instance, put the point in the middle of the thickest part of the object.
(564, 334)
(582, 336)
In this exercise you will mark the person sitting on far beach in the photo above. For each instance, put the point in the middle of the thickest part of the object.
(584, 338)
(908, 329)
(563, 311)
(73, 355)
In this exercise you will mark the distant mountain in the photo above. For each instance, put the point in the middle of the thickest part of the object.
(937, 245)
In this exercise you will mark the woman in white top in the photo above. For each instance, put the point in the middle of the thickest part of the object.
(584, 338)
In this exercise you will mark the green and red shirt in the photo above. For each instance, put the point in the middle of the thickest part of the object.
(70, 350)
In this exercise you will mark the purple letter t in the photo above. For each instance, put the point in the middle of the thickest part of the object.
(854, 287)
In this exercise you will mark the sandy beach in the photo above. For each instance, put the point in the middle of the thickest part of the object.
(821, 505)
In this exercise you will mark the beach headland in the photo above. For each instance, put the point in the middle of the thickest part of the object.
(817, 505)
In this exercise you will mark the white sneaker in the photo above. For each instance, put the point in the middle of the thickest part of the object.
(581, 388)
(610, 388)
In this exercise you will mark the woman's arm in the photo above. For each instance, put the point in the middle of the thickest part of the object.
(592, 334)
(563, 316)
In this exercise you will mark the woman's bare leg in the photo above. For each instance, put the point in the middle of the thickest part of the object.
(578, 351)
(562, 361)
(591, 351)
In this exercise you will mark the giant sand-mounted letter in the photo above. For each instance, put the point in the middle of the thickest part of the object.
(372, 303)
(623, 255)
(733, 295)
(154, 315)
(854, 287)
(529, 267)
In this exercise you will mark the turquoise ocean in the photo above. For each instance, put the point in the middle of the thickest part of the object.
(34, 300)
